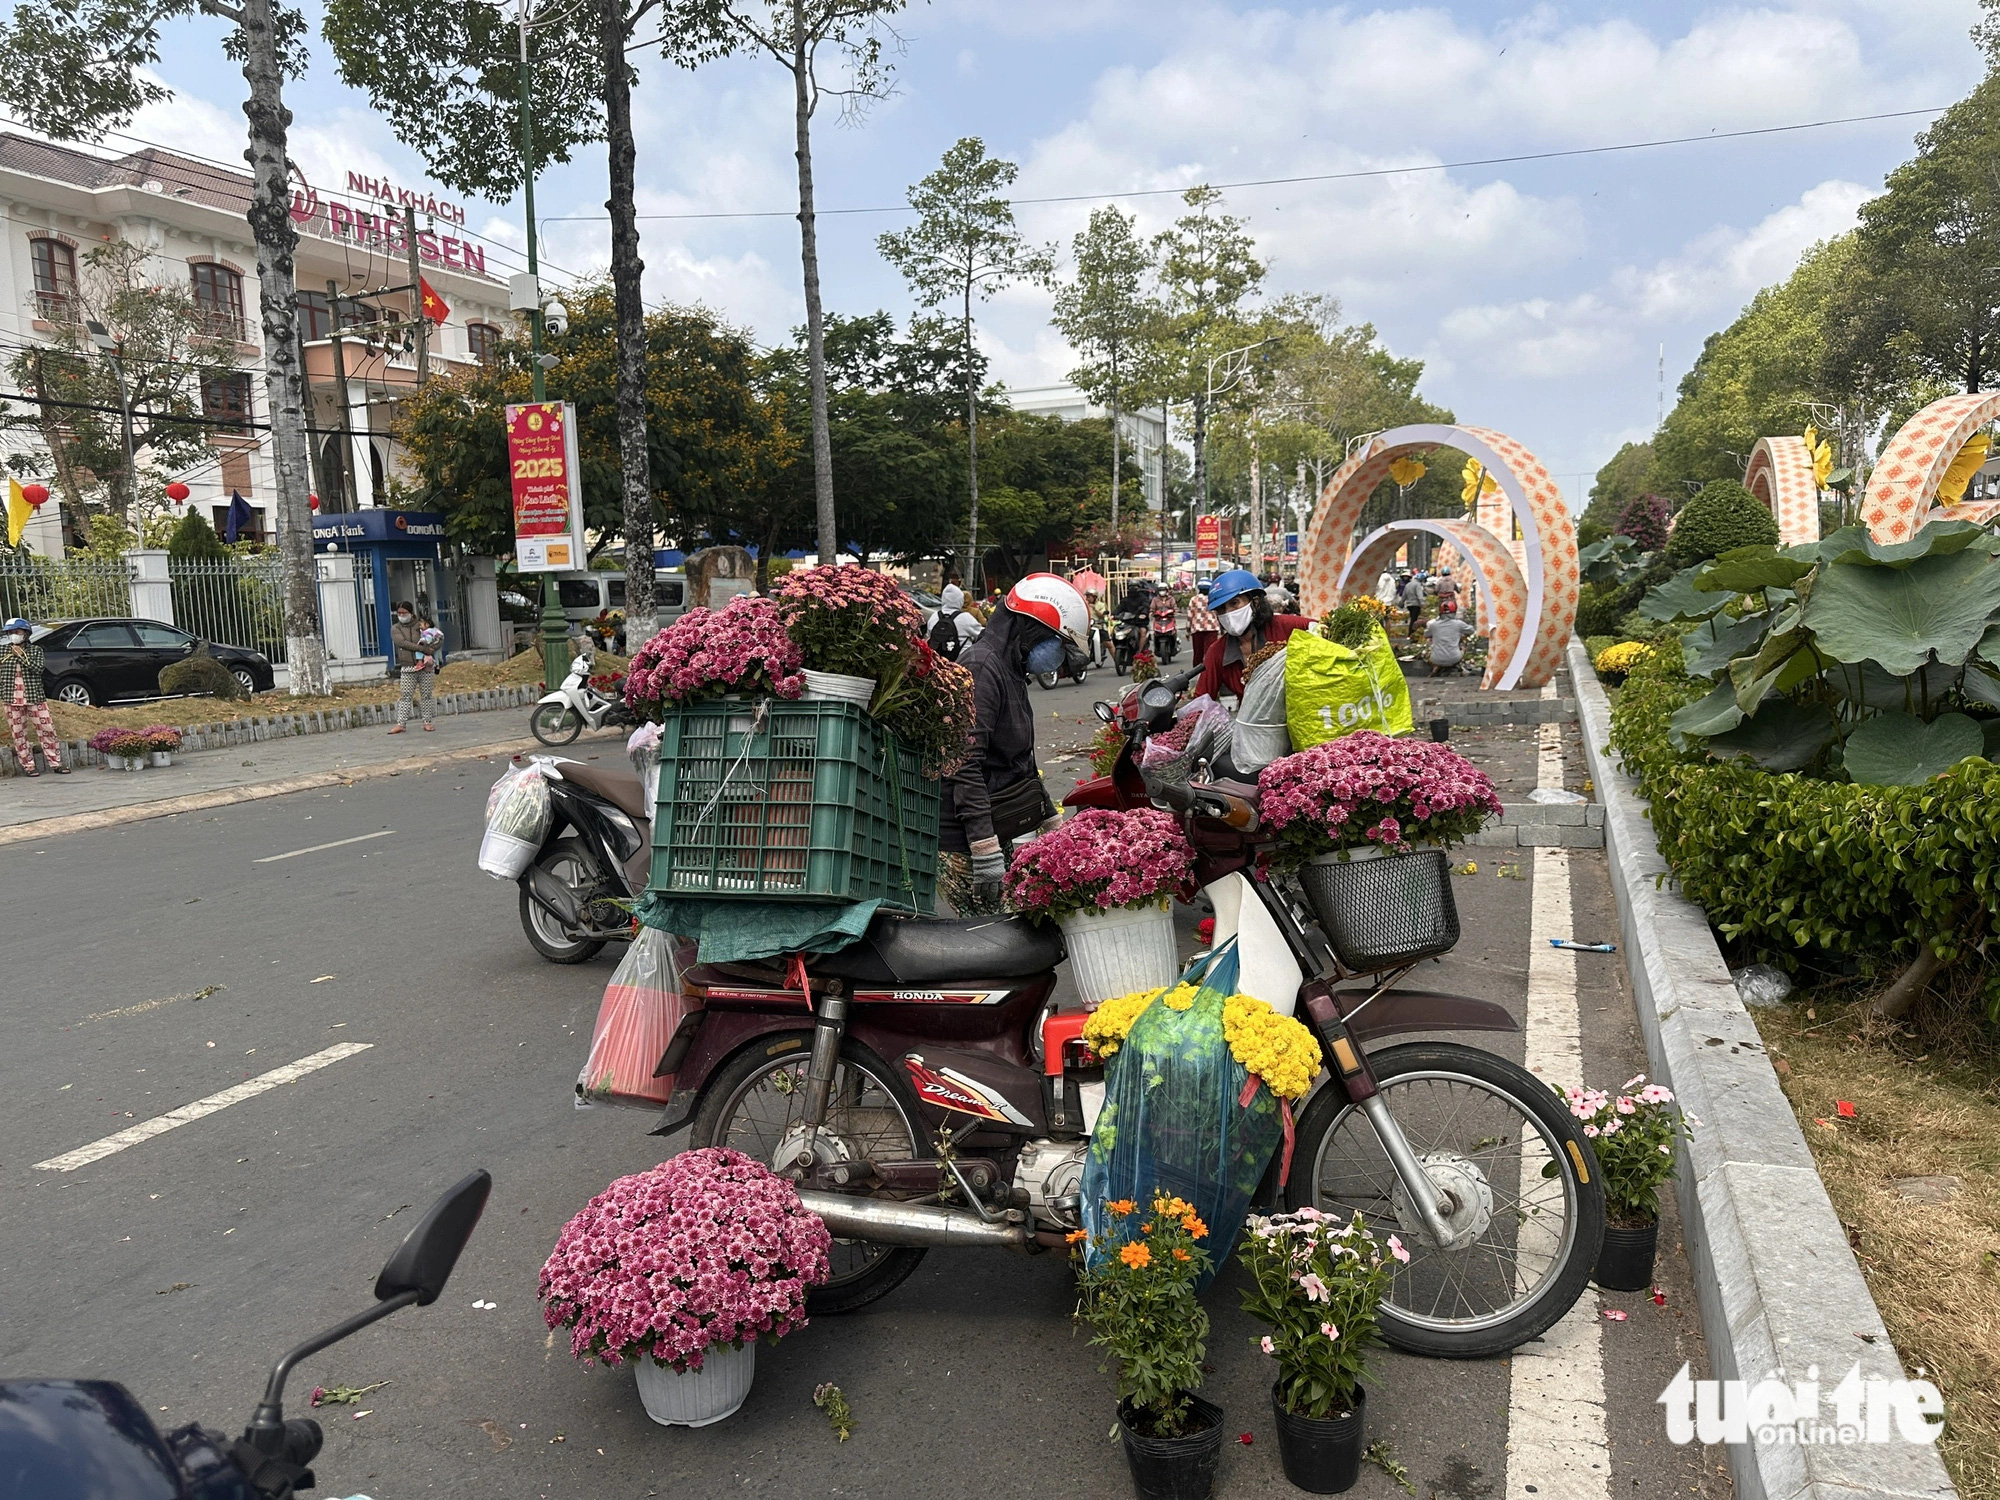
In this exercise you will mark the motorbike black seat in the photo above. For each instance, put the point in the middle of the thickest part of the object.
(904, 950)
(622, 789)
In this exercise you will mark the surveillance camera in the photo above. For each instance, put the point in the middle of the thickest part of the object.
(556, 321)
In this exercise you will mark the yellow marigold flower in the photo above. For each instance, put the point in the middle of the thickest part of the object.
(1180, 997)
(1138, 1257)
(1621, 657)
(1193, 1225)
(1276, 1048)
(1110, 1022)
(1120, 1206)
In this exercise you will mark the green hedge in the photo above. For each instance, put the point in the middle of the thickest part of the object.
(1787, 862)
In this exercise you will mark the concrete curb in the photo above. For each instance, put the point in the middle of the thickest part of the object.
(1778, 1285)
(1524, 825)
(284, 726)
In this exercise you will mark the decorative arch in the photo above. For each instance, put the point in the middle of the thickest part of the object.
(1902, 492)
(1780, 473)
(1550, 581)
(1503, 592)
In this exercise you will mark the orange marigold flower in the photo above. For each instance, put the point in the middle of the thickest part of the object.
(1120, 1206)
(1136, 1256)
(1193, 1225)
(1147, 1227)
(1180, 1254)
(1075, 1235)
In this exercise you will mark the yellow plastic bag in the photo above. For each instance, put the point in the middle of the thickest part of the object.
(1331, 690)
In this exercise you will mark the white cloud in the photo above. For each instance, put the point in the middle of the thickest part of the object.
(1725, 266)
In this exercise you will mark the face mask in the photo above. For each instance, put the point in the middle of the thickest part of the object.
(403, 619)
(1236, 620)
(1046, 656)
(17, 639)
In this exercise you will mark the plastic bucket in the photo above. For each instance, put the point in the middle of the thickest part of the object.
(838, 687)
(1179, 1468)
(695, 1399)
(1113, 953)
(1321, 1455)
(505, 857)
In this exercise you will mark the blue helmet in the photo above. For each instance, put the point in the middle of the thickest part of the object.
(17, 623)
(1228, 585)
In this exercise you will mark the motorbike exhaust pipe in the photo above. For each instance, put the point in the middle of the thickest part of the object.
(555, 898)
(888, 1223)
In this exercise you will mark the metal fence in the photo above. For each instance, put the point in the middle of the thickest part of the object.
(235, 602)
(41, 589)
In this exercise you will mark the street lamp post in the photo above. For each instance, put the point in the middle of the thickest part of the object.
(113, 348)
(1235, 365)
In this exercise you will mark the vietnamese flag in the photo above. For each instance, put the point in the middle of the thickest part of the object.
(435, 307)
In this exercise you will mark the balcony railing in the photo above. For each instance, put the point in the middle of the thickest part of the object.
(55, 307)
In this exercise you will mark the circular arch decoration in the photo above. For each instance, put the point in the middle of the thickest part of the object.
(1902, 492)
(1780, 473)
(1499, 577)
(1545, 610)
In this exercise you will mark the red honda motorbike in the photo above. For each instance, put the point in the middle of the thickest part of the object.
(922, 1090)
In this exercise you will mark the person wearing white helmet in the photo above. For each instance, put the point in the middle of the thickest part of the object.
(997, 796)
(21, 691)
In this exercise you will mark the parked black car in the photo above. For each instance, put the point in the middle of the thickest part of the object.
(105, 661)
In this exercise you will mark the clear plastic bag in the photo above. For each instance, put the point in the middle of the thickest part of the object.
(642, 1009)
(644, 749)
(1260, 735)
(517, 820)
(1181, 1115)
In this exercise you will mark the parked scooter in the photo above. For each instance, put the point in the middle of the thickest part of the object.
(562, 715)
(93, 1440)
(597, 855)
(920, 1089)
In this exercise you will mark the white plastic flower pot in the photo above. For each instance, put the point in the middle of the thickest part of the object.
(163, 757)
(838, 687)
(1113, 953)
(699, 1397)
(504, 857)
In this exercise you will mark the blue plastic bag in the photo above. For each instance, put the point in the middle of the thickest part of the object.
(1176, 1119)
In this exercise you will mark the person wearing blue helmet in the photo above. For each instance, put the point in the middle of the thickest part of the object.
(1248, 625)
(21, 691)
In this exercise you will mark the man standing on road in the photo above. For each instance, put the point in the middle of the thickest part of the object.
(21, 690)
(1413, 601)
(1446, 636)
(418, 667)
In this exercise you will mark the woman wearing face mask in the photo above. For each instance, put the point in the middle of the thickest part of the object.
(1248, 625)
(21, 691)
(997, 796)
(419, 666)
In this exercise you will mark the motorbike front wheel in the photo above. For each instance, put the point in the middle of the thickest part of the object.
(1512, 1167)
(555, 723)
(756, 1105)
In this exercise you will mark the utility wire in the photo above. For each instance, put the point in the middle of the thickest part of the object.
(1441, 166)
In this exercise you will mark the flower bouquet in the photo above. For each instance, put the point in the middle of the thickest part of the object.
(927, 701)
(681, 1270)
(1348, 812)
(162, 740)
(1137, 1293)
(123, 749)
(1145, 666)
(740, 648)
(848, 622)
(1633, 1134)
(1106, 878)
(1318, 1283)
(517, 820)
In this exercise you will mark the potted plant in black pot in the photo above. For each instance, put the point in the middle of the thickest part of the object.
(1137, 1283)
(1633, 1135)
(1317, 1284)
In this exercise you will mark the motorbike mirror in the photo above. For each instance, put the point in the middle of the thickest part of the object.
(1104, 711)
(423, 1262)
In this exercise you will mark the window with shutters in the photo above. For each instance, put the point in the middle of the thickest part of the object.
(218, 292)
(482, 341)
(55, 279)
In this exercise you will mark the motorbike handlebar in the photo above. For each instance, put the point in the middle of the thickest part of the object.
(303, 1439)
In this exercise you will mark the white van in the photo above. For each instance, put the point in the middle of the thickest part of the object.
(585, 595)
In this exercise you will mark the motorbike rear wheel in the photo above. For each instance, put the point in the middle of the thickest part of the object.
(570, 861)
(756, 1105)
(1501, 1144)
(555, 723)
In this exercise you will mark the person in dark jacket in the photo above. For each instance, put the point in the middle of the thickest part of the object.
(996, 796)
(21, 663)
(418, 664)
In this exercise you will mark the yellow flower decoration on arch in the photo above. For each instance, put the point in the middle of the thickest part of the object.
(1951, 489)
(1820, 451)
(1478, 483)
(1407, 471)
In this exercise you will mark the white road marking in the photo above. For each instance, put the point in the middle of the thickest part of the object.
(360, 838)
(250, 1088)
(1556, 1435)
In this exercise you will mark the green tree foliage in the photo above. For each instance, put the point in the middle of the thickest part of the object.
(1645, 519)
(194, 540)
(1050, 483)
(1625, 477)
(713, 435)
(1105, 314)
(1723, 516)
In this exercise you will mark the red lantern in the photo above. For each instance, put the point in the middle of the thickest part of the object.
(177, 492)
(37, 495)
(313, 501)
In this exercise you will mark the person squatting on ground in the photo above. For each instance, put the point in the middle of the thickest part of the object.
(417, 642)
(21, 690)
(997, 796)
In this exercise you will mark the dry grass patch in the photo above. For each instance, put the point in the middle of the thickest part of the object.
(1926, 1103)
(459, 677)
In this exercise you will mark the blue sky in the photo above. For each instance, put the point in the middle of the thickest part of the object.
(1538, 293)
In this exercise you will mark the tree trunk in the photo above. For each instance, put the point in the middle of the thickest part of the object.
(641, 618)
(822, 438)
(1895, 1002)
(284, 377)
(970, 567)
(1200, 437)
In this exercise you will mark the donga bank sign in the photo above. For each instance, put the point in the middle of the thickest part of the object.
(342, 219)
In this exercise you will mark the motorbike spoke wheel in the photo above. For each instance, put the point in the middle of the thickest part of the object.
(555, 723)
(1496, 1143)
(757, 1106)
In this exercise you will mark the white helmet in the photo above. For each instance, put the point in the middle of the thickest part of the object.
(1055, 602)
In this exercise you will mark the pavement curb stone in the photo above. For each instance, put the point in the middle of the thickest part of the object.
(284, 726)
(1778, 1285)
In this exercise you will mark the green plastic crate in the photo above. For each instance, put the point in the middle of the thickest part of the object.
(782, 801)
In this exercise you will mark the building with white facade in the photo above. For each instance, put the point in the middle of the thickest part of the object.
(1142, 434)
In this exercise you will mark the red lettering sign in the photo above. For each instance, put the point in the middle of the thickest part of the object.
(538, 457)
(1207, 538)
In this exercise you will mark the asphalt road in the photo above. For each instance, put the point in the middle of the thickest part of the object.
(155, 964)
